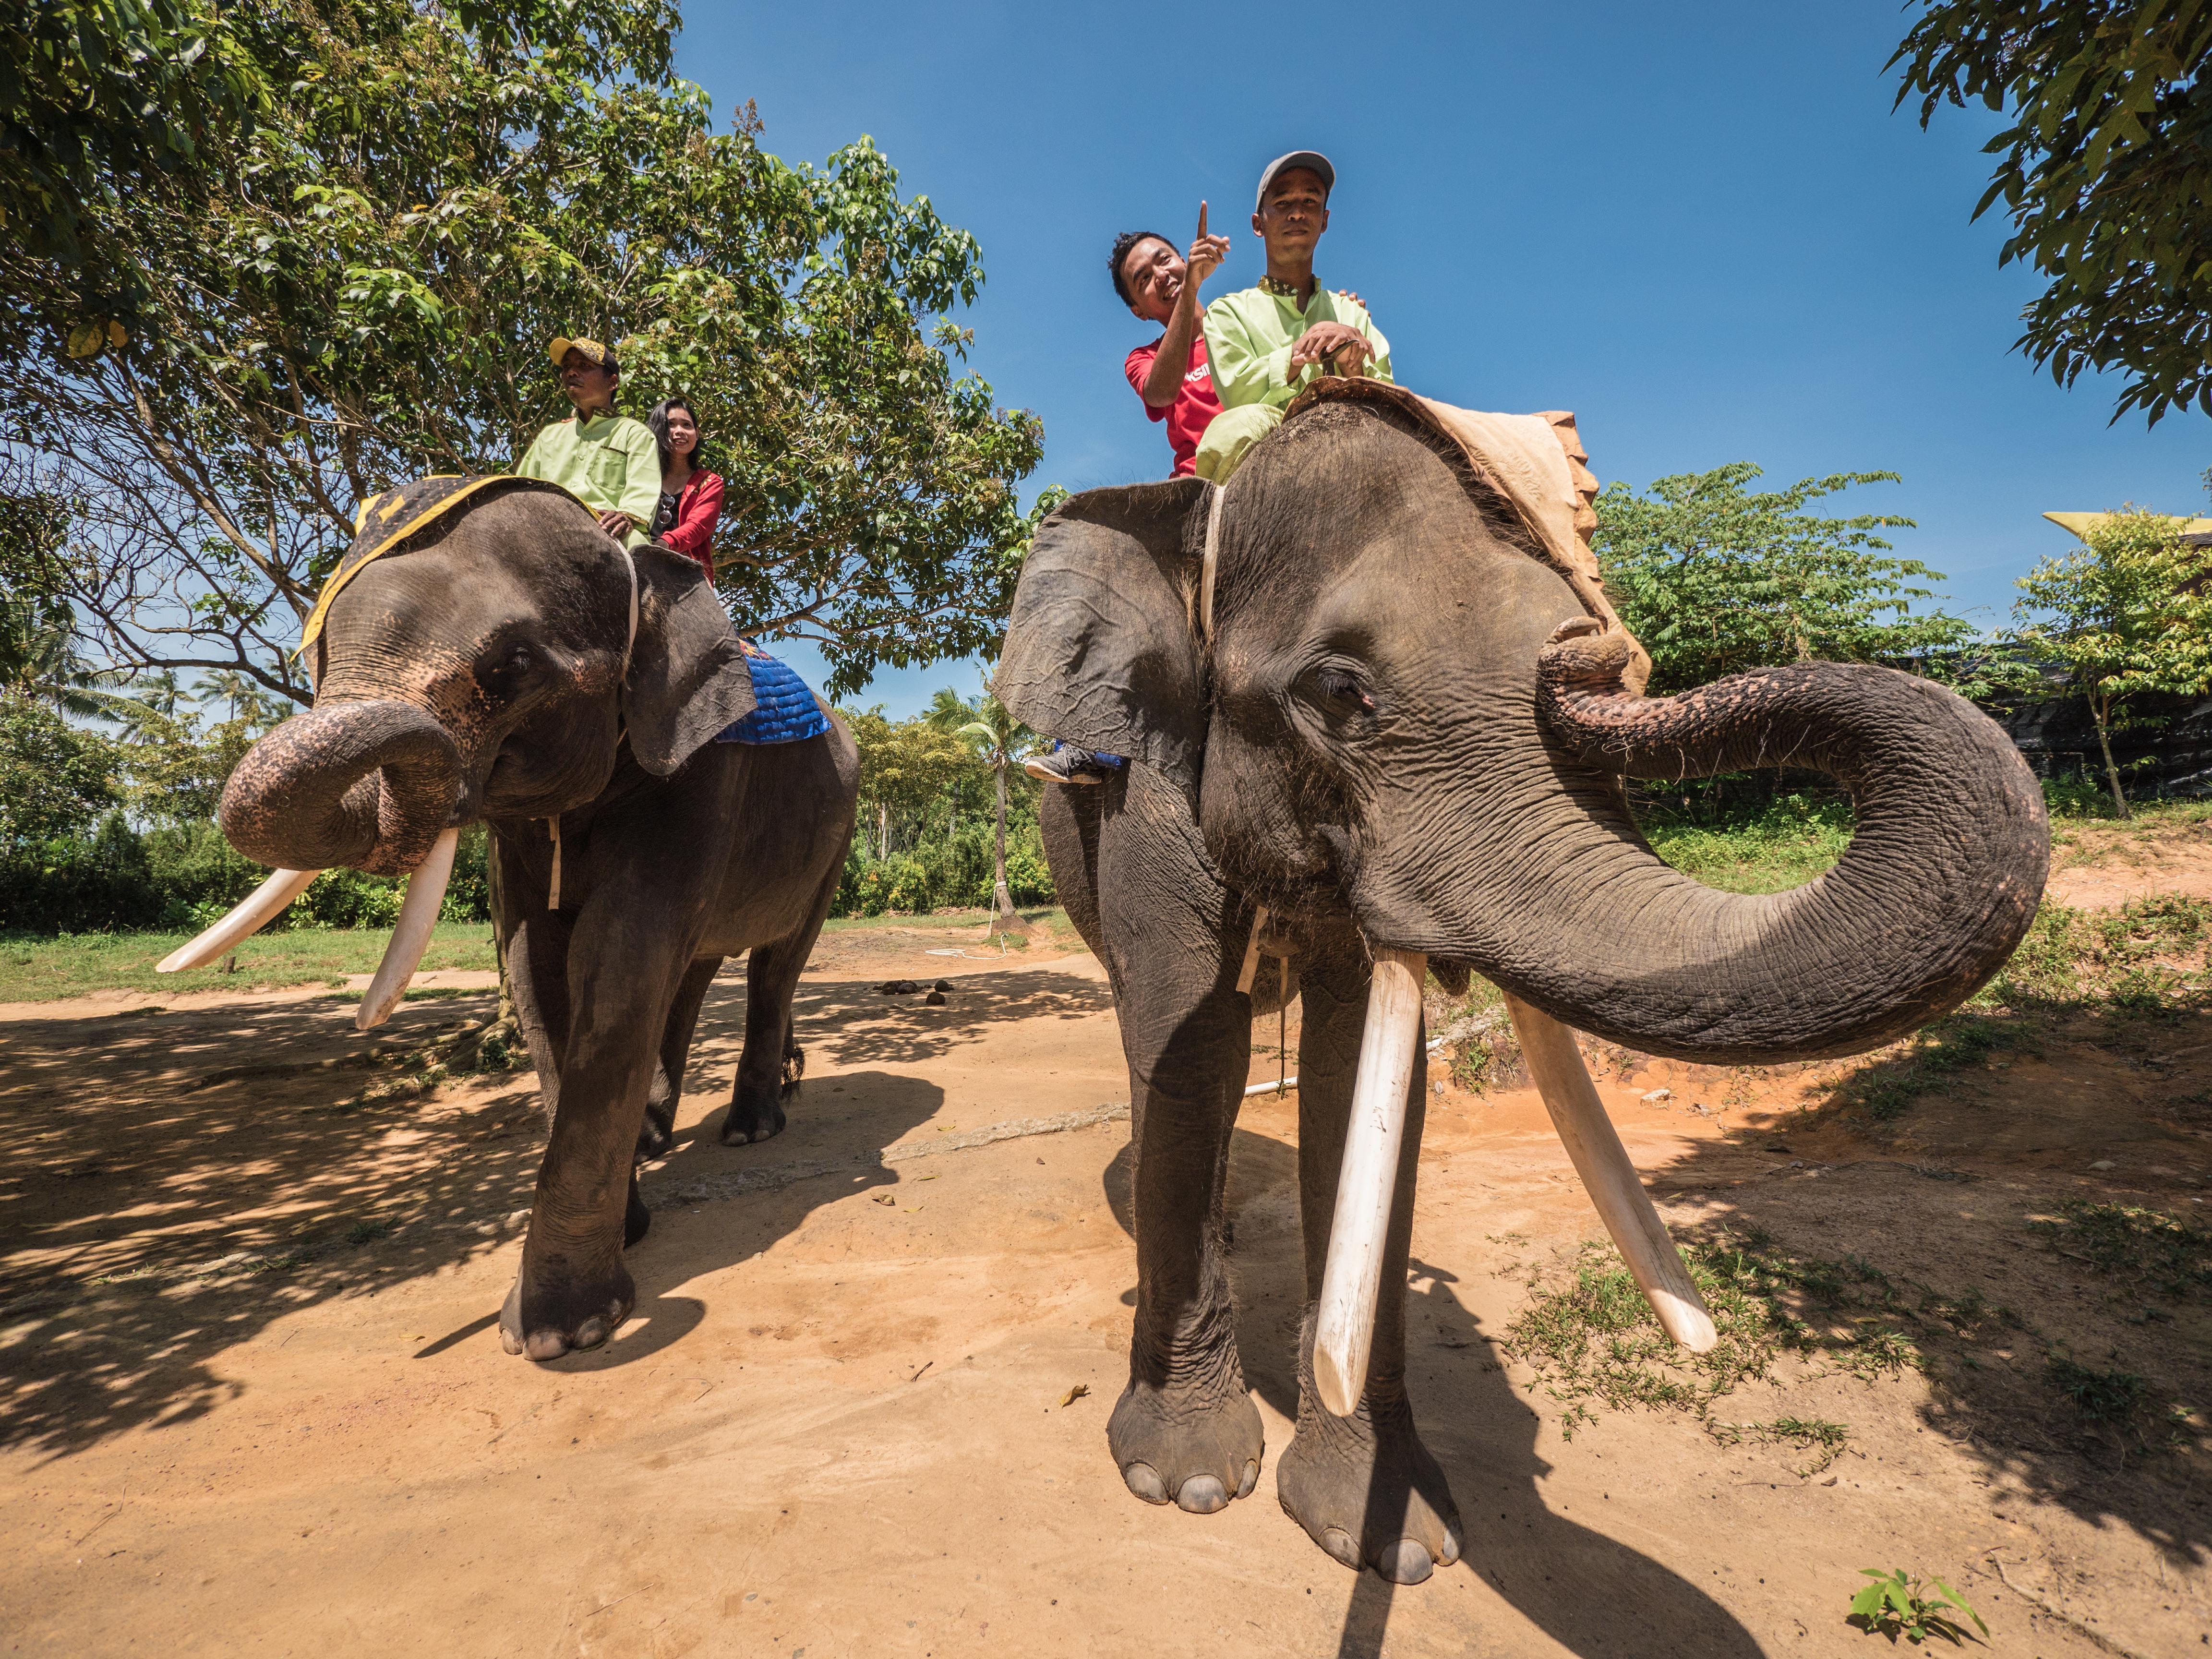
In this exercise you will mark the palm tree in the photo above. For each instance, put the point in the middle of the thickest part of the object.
(1001, 741)
(38, 658)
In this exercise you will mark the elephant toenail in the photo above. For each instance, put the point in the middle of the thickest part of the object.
(1145, 1481)
(1203, 1494)
(509, 1340)
(1406, 1562)
(1451, 1550)
(1337, 1543)
(1251, 1478)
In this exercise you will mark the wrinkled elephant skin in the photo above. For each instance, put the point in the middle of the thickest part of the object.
(490, 675)
(1405, 732)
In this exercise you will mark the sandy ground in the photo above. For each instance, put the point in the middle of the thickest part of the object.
(255, 1402)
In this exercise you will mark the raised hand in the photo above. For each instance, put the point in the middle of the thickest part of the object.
(1207, 253)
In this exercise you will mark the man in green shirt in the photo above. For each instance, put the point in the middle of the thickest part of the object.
(1266, 343)
(608, 460)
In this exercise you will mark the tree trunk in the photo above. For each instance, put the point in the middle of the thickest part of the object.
(1004, 917)
(2098, 710)
(883, 829)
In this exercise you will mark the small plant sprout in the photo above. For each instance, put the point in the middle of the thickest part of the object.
(1894, 1606)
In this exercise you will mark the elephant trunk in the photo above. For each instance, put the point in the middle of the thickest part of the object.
(1940, 883)
(367, 784)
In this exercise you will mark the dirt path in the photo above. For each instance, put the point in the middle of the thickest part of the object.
(254, 1401)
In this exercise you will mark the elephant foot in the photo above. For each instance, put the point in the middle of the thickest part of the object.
(755, 1117)
(1367, 1490)
(1194, 1446)
(637, 1220)
(545, 1317)
(658, 1133)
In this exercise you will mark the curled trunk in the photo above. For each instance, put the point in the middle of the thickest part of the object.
(1940, 883)
(365, 784)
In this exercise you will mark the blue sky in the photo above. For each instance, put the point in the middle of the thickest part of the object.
(1701, 230)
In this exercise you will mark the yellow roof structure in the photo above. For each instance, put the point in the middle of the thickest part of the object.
(2082, 523)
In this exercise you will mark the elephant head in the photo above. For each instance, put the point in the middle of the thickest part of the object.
(491, 668)
(1405, 715)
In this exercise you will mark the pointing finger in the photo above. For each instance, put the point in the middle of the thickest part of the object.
(1201, 222)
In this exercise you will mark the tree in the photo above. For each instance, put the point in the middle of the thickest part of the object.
(352, 284)
(98, 96)
(2129, 613)
(1001, 741)
(2106, 171)
(906, 767)
(1714, 580)
(56, 779)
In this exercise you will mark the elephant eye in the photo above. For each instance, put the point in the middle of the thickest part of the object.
(500, 669)
(1342, 690)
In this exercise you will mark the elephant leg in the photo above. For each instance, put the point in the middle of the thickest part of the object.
(771, 1069)
(574, 1290)
(667, 1092)
(658, 1132)
(1185, 1429)
(535, 941)
(1363, 1486)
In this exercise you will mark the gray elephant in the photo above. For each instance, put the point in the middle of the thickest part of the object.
(1405, 735)
(504, 661)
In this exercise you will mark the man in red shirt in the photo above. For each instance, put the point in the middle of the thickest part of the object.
(1171, 375)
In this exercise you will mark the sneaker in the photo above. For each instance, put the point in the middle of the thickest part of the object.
(1065, 764)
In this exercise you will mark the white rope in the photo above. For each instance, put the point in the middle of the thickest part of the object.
(1212, 560)
(1252, 952)
(629, 643)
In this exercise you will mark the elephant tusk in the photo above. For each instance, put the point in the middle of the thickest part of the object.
(252, 913)
(418, 913)
(1610, 1179)
(1344, 1330)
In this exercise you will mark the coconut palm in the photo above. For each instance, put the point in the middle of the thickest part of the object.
(40, 659)
(1002, 741)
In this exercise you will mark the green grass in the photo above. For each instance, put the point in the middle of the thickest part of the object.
(1592, 1339)
(39, 970)
(1769, 850)
(2135, 1245)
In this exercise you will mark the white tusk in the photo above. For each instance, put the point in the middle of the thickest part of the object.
(1344, 1330)
(253, 913)
(418, 914)
(1610, 1179)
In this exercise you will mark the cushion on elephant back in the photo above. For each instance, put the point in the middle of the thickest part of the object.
(784, 710)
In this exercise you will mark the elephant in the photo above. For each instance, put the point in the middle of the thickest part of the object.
(511, 663)
(1355, 689)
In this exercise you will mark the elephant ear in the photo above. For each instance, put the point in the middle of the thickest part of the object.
(1102, 650)
(688, 679)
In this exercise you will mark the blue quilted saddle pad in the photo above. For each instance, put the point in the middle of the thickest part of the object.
(784, 710)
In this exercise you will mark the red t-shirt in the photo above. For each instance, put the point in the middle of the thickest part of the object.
(1194, 406)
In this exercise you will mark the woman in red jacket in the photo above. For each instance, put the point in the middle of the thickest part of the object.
(690, 495)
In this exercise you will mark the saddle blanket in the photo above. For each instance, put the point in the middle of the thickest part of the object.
(784, 710)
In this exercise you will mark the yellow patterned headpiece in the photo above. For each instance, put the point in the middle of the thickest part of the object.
(385, 522)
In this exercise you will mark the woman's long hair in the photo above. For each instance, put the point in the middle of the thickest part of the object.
(656, 421)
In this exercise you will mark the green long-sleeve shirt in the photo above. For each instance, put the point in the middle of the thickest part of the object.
(612, 461)
(1250, 334)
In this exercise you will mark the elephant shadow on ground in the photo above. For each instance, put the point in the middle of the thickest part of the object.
(167, 1205)
(1591, 1594)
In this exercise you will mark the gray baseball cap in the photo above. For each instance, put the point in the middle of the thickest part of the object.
(1297, 158)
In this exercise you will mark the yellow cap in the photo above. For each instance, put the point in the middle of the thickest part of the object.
(591, 349)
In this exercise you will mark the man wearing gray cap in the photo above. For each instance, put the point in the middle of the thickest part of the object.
(1266, 343)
